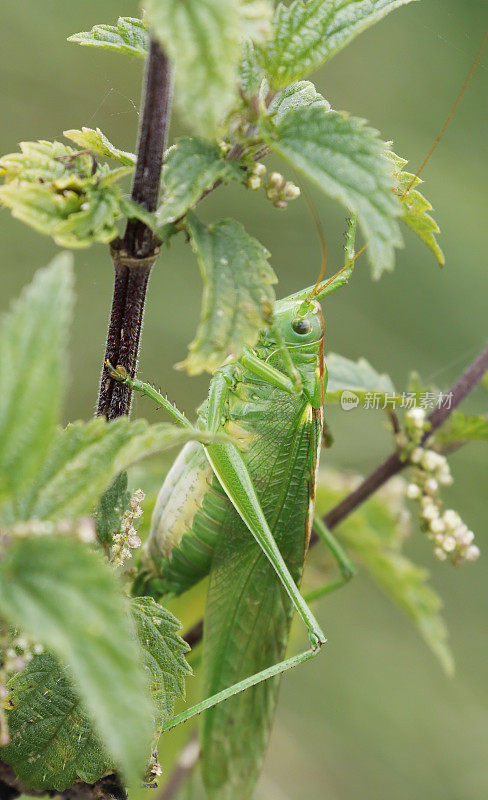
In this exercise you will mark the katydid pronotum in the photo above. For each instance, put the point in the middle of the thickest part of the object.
(215, 496)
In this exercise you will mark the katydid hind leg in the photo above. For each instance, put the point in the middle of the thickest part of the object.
(346, 566)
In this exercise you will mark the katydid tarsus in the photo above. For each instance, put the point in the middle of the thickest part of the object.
(215, 496)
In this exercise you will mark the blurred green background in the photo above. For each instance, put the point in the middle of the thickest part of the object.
(374, 717)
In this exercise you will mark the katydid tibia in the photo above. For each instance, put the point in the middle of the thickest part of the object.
(215, 496)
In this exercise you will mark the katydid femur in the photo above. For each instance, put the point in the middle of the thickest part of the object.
(215, 496)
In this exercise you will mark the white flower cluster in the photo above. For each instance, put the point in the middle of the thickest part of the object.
(278, 190)
(451, 537)
(127, 539)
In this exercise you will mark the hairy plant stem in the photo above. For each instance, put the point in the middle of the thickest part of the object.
(135, 254)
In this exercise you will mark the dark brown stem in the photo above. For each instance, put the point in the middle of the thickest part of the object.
(135, 255)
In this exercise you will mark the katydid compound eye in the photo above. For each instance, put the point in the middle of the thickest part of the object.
(301, 325)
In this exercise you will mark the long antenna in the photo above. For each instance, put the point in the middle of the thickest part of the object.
(453, 110)
(323, 246)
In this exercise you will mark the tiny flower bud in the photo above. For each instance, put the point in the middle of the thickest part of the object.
(431, 486)
(413, 491)
(449, 544)
(276, 180)
(472, 553)
(416, 456)
(437, 526)
(440, 554)
(254, 182)
(416, 416)
(259, 170)
(280, 204)
(291, 191)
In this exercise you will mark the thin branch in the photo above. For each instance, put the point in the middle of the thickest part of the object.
(135, 255)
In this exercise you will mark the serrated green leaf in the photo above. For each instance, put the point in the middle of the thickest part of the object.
(375, 536)
(355, 376)
(250, 71)
(301, 94)
(192, 166)
(61, 192)
(129, 36)
(32, 339)
(97, 142)
(53, 740)
(346, 160)
(237, 294)
(415, 208)
(164, 652)
(85, 458)
(462, 428)
(113, 502)
(203, 38)
(306, 34)
(68, 598)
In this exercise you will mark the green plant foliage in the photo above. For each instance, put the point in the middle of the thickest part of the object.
(113, 502)
(237, 294)
(85, 458)
(97, 142)
(82, 616)
(308, 33)
(53, 740)
(164, 651)
(250, 71)
(415, 208)
(192, 166)
(347, 160)
(32, 339)
(375, 536)
(461, 428)
(356, 376)
(301, 94)
(257, 18)
(129, 36)
(62, 192)
(203, 38)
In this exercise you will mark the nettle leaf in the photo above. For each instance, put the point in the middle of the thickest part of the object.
(462, 428)
(62, 192)
(237, 294)
(250, 71)
(301, 94)
(192, 166)
(113, 502)
(415, 207)
(347, 160)
(203, 38)
(53, 742)
(164, 654)
(129, 36)
(306, 34)
(32, 340)
(82, 616)
(53, 739)
(256, 18)
(97, 142)
(375, 535)
(83, 461)
(355, 376)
